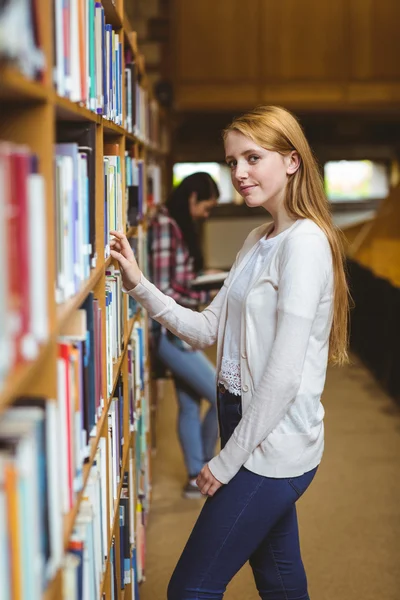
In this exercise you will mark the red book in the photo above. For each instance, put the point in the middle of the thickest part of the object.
(20, 272)
(13, 302)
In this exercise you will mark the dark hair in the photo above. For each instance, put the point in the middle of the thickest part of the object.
(178, 207)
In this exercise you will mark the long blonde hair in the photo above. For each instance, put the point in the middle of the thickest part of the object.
(276, 129)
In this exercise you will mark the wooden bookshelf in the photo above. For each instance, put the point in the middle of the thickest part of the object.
(30, 114)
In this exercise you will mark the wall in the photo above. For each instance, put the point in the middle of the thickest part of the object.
(229, 54)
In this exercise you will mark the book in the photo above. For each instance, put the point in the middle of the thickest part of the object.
(212, 281)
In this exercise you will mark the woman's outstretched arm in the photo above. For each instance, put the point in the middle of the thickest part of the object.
(199, 329)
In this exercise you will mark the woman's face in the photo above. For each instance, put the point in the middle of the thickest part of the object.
(201, 209)
(259, 175)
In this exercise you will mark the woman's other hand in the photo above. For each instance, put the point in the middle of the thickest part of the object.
(123, 253)
(207, 483)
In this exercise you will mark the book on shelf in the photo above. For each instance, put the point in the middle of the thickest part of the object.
(209, 281)
(135, 197)
(43, 448)
(112, 192)
(88, 544)
(84, 135)
(88, 58)
(114, 321)
(73, 221)
(30, 519)
(21, 37)
(23, 241)
(130, 91)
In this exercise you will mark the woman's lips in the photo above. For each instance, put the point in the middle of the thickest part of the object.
(246, 189)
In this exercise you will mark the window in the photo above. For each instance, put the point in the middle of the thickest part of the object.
(355, 180)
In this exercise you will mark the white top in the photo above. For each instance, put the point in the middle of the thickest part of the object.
(229, 374)
(285, 321)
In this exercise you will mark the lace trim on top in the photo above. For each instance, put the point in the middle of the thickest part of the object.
(229, 376)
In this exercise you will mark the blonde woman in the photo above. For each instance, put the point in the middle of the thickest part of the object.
(280, 316)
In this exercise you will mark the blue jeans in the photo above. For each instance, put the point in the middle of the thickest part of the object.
(194, 377)
(252, 518)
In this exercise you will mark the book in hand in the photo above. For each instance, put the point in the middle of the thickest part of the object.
(212, 281)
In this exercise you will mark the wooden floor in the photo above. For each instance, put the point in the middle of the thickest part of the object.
(349, 518)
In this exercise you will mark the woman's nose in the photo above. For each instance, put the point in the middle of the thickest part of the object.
(241, 172)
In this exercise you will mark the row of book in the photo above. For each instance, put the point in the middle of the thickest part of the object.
(91, 64)
(83, 572)
(24, 231)
(43, 449)
(88, 57)
(23, 257)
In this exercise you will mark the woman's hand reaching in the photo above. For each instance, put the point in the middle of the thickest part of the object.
(123, 253)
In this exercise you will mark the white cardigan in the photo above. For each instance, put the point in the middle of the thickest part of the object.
(286, 322)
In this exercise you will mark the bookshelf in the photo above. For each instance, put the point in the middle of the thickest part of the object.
(102, 466)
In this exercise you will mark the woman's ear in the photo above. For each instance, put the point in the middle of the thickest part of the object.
(293, 162)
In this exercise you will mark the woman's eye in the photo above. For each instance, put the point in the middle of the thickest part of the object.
(253, 159)
(231, 164)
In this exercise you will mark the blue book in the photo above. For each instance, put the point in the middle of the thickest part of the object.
(78, 552)
(135, 583)
(104, 66)
(90, 363)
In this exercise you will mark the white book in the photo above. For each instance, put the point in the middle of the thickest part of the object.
(92, 494)
(59, 75)
(210, 281)
(76, 93)
(103, 486)
(87, 55)
(110, 471)
(128, 97)
(67, 175)
(54, 473)
(38, 258)
(98, 19)
(27, 460)
(108, 76)
(70, 576)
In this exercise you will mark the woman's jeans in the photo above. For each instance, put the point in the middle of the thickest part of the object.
(194, 377)
(252, 518)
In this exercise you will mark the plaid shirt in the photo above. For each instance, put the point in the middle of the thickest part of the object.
(171, 266)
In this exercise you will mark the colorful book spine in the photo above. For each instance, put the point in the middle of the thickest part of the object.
(23, 239)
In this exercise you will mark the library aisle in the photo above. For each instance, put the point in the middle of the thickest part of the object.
(349, 519)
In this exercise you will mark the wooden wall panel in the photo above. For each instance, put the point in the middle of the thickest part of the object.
(216, 41)
(303, 41)
(323, 55)
(374, 39)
